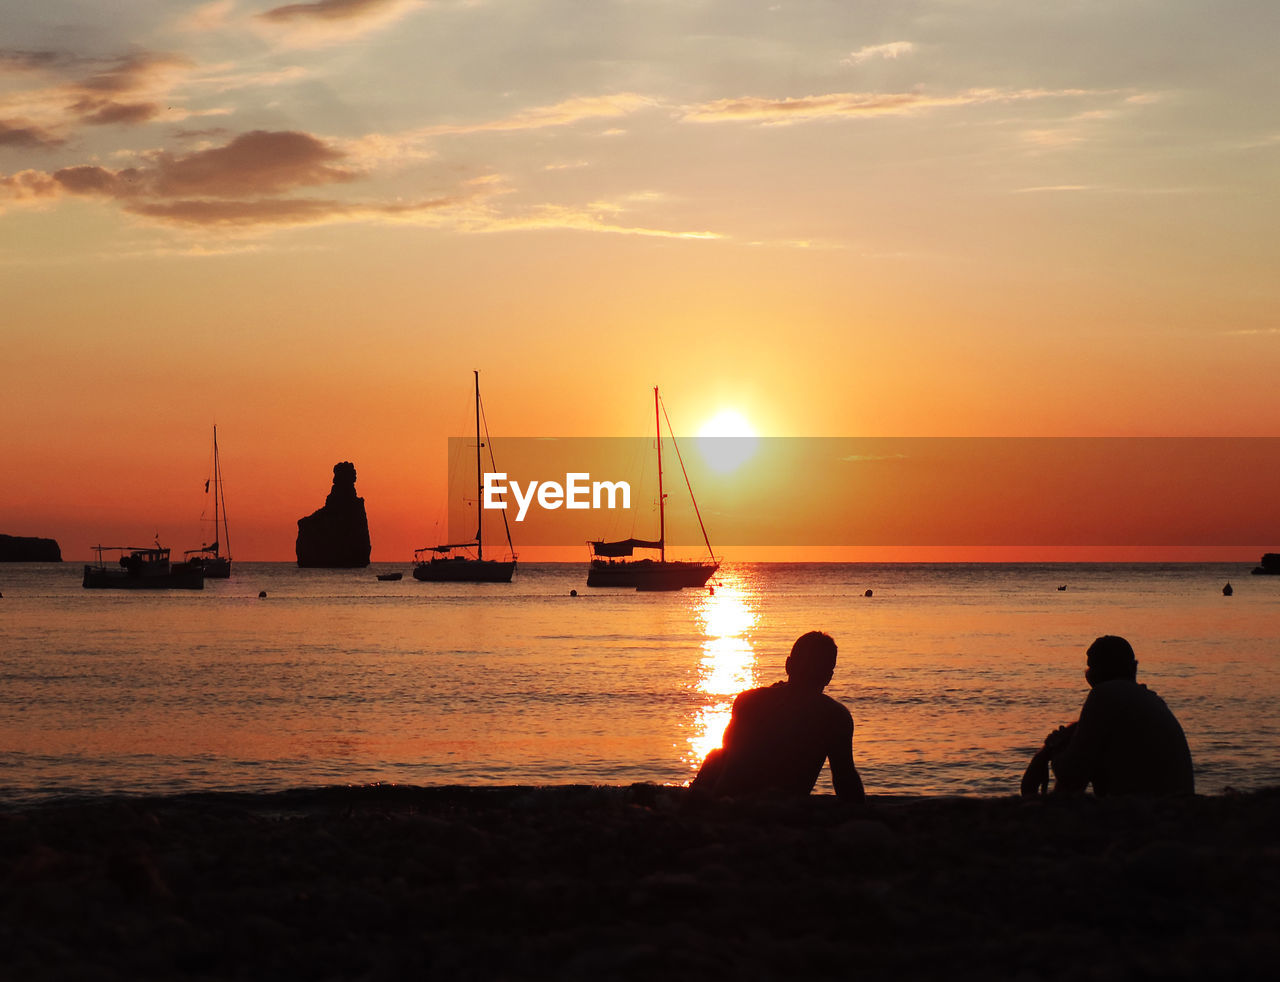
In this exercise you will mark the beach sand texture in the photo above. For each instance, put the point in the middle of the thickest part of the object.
(640, 882)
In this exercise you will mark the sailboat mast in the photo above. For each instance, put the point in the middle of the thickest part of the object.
(662, 501)
(217, 532)
(479, 478)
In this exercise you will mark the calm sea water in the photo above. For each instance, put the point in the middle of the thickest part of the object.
(953, 673)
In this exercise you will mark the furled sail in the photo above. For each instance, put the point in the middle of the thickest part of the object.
(623, 548)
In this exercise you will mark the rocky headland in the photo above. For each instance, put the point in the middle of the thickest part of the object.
(337, 535)
(29, 549)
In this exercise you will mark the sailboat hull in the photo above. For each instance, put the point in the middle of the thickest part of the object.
(213, 567)
(99, 578)
(649, 574)
(460, 569)
(217, 569)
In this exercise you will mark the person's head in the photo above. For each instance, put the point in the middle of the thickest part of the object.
(1109, 658)
(812, 660)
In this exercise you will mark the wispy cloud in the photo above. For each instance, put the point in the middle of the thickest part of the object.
(25, 62)
(1108, 189)
(890, 50)
(1063, 188)
(331, 21)
(563, 113)
(330, 10)
(552, 217)
(282, 211)
(124, 91)
(207, 17)
(844, 105)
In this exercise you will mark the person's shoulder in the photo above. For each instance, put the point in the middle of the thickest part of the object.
(836, 710)
(1114, 689)
(755, 695)
(1119, 694)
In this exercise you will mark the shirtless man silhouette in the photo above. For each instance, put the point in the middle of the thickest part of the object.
(780, 735)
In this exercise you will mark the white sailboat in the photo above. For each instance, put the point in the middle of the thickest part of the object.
(611, 567)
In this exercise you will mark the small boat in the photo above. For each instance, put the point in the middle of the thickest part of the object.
(390, 576)
(141, 569)
(454, 563)
(209, 558)
(610, 566)
(1270, 565)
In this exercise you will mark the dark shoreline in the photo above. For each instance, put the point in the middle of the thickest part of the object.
(640, 882)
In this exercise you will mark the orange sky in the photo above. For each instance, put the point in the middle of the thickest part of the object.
(309, 223)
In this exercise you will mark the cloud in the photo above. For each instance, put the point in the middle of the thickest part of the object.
(1058, 188)
(27, 185)
(96, 97)
(277, 211)
(890, 50)
(207, 17)
(560, 114)
(129, 73)
(21, 62)
(126, 91)
(325, 21)
(845, 105)
(256, 164)
(245, 183)
(98, 113)
(558, 217)
(330, 10)
(27, 136)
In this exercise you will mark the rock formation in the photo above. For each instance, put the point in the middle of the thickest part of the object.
(337, 535)
(29, 549)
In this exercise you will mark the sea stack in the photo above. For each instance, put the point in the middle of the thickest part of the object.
(337, 535)
(29, 549)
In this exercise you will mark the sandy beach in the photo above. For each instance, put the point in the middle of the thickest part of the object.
(639, 882)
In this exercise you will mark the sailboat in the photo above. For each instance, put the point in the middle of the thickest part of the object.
(209, 558)
(610, 566)
(451, 563)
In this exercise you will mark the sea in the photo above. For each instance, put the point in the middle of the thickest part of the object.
(283, 678)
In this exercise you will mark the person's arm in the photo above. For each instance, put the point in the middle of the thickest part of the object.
(844, 775)
(1035, 780)
(1074, 763)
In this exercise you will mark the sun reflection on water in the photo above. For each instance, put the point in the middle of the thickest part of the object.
(728, 617)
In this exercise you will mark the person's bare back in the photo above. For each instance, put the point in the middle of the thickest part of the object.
(780, 735)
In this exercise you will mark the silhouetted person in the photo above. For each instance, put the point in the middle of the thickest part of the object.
(1126, 740)
(779, 736)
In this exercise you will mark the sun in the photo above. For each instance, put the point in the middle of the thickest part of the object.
(726, 441)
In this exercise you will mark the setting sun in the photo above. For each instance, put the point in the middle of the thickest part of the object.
(726, 440)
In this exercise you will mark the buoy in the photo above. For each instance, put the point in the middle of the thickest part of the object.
(711, 590)
(1227, 591)
(573, 593)
(261, 594)
(867, 594)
